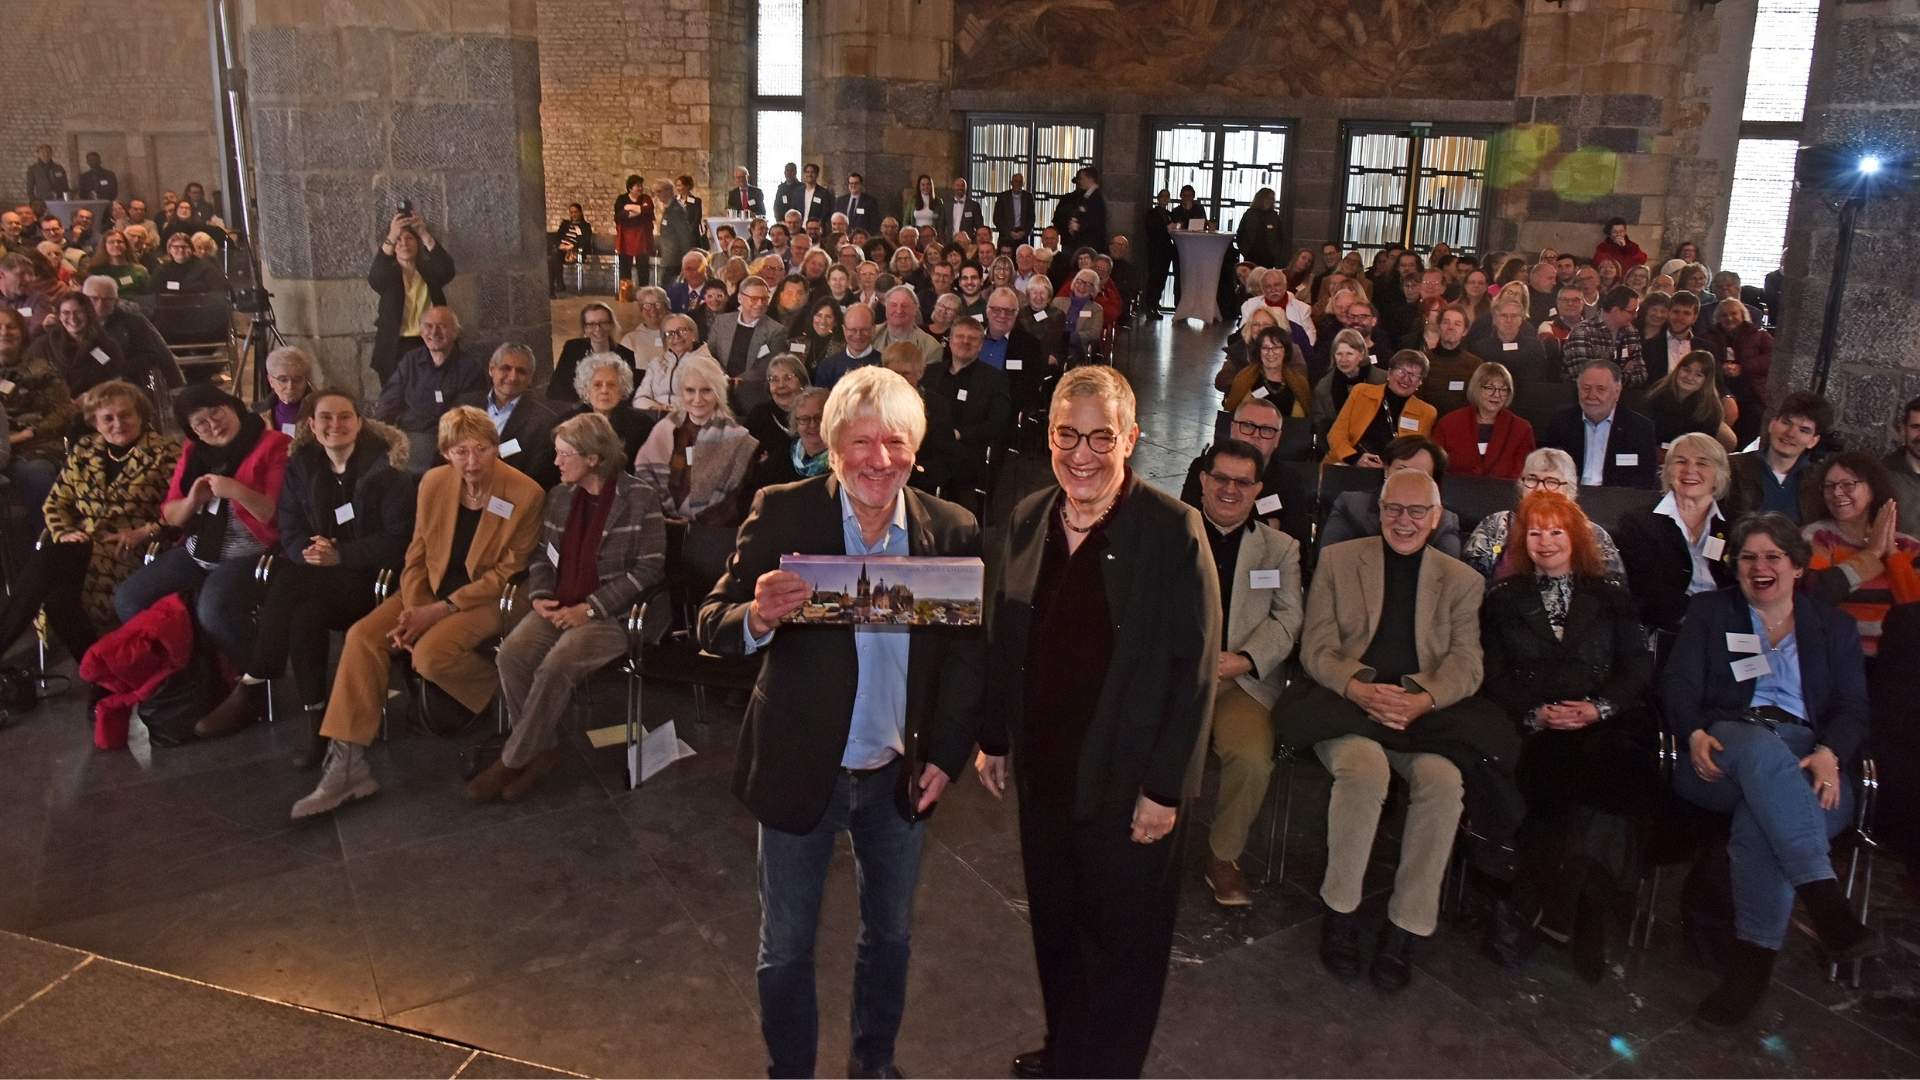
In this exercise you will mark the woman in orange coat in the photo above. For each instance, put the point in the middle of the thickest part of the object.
(1376, 413)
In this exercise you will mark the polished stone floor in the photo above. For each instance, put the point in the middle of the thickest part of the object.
(597, 930)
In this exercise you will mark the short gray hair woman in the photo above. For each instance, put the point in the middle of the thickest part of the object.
(596, 362)
(1545, 469)
(290, 376)
(647, 341)
(574, 629)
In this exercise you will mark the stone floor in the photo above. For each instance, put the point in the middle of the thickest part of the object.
(603, 931)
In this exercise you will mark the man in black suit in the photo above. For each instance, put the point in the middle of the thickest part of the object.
(849, 730)
(1684, 333)
(525, 423)
(862, 210)
(960, 212)
(1610, 445)
(1082, 217)
(1104, 641)
(1009, 347)
(1013, 212)
(816, 199)
(980, 399)
(1284, 502)
(787, 196)
(743, 199)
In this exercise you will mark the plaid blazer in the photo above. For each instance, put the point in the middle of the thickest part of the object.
(633, 549)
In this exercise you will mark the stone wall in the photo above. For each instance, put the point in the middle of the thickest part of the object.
(1626, 108)
(134, 85)
(355, 110)
(1864, 95)
(653, 87)
(877, 104)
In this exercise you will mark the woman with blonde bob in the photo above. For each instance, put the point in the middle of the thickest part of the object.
(475, 523)
(696, 461)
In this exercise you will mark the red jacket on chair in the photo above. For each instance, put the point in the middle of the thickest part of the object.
(131, 662)
(1458, 433)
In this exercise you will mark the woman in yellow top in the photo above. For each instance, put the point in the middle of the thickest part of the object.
(1377, 413)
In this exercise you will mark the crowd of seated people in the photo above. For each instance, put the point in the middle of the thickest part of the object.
(1513, 668)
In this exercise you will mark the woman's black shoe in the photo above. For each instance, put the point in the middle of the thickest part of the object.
(1590, 933)
(1340, 943)
(246, 704)
(313, 746)
(1748, 972)
(1842, 935)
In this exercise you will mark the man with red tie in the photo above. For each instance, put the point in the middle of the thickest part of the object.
(744, 199)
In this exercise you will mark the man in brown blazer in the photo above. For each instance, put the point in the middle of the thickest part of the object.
(1393, 641)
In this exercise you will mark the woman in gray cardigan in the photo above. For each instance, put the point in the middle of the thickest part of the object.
(602, 545)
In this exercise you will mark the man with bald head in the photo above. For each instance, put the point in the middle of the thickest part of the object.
(902, 307)
(1392, 642)
(427, 382)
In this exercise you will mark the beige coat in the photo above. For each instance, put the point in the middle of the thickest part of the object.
(1343, 611)
(1264, 623)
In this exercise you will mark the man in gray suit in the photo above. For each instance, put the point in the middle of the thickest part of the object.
(1260, 609)
(744, 341)
(677, 227)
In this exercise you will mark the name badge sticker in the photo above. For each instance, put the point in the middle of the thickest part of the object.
(499, 507)
(173, 286)
(553, 555)
(439, 397)
(1039, 316)
(100, 354)
(1743, 643)
(289, 429)
(1509, 346)
(214, 505)
(343, 513)
(1457, 385)
(1626, 460)
(1263, 579)
(1408, 423)
(1267, 504)
(961, 394)
(510, 448)
(1714, 548)
(1751, 667)
(1259, 391)
(1085, 312)
(7, 386)
(1014, 364)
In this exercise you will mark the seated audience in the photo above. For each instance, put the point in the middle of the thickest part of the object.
(39, 412)
(902, 312)
(1689, 398)
(1260, 613)
(1450, 364)
(803, 453)
(290, 377)
(1567, 662)
(28, 287)
(1280, 376)
(1679, 548)
(1283, 501)
(1772, 477)
(1350, 368)
(647, 341)
(1613, 446)
(743, 341)
(1080, 316)
(476, 520)
(1749, 359)
(1681, 336)
(224, 501)
(523, 422)
(1613, 337)
(1375, 415)
(660, 387)
(947, 310)
(1861, 562)
(1505, 339)
(768, 421)
(427, 382)
(346, 513)
(116, 261)
(1766, 688)
(603, 383)
(602, 546)
(857, 348)
(78, 348)
(146, 353)
(1355, 514)
(1038, 318)
(1489, 549)
(1902, 462)
(1484, 437)
(598, 334)
(1392, 644)
(696, 461)
(683, 293)
(184, 273)
(102, 510)
(815, 333)
(980, 401)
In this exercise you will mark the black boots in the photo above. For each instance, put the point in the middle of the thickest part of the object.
(1842, 935)
(313, 747)
(1340, 943)
(1749, 970)
(245, 705)
(1392, 966)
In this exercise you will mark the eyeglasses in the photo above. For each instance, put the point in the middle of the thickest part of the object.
(997, 309)
(591, 323)
(1248, 427)
(560, 454)
(1495, 388)
(1066, 439)
(1235, 482)
(675, 331)
(805, 421)
(1551, 483)
(1841, 487)
(1410, 511)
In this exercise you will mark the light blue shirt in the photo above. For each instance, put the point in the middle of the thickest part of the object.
(1780, 686)
(877, 734)
(1593, 470)
(500, 414)
(1701, 579)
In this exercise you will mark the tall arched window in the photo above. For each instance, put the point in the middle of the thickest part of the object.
(779, 37)
(1770, 126)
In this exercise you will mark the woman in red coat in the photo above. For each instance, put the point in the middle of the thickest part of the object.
(633, 231)
(1483, 437)
(1616, 248)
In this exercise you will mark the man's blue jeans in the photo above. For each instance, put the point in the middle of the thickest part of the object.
(34, 477)
(793, 873)
(1779, 836)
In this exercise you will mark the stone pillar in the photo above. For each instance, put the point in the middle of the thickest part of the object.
(1626, 108)
(1864, 95)
(877, 83)
(358, 106)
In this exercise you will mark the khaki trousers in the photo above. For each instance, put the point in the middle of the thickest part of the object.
(445, 656)
(1359, 767)
(1243, 740)
(540, 667)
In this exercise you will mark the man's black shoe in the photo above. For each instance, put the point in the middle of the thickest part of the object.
(1031, 1065)
(1340, 943)
(1393, 959)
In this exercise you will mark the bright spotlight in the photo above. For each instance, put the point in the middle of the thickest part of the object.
(1869, 164)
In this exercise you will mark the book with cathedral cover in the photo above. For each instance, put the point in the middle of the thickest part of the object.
(889, 590)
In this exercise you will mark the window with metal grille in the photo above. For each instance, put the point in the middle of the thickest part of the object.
(779, 32)
(1416, 185)
(1227, 162)
(1770, 130)
(1048, 150)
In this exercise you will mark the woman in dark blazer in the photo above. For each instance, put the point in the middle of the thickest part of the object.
(1566, 659)
(410, 265)
(1104, 637)
(1767, 690)
(1679, 548)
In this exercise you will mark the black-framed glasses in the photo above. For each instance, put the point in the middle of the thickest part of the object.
(1842, 487)
(1412, 511)
(1248, 427)
(1066, 438)
(1551, 483)
(1235, 482)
